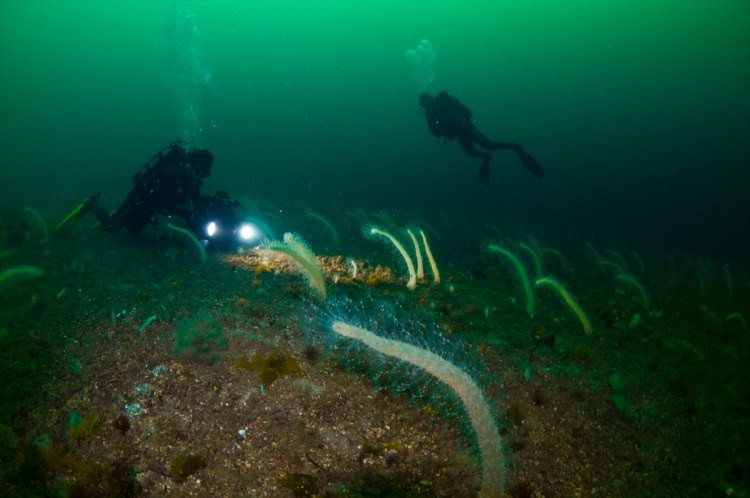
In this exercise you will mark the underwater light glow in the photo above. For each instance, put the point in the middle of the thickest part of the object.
(212, 228)
(248, 232)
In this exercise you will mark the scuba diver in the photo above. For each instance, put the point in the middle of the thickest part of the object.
(169, 184)
(449, 119)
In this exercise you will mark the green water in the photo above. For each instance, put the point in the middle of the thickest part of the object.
(639, 110)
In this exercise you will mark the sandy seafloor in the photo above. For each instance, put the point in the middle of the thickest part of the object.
(97, 400)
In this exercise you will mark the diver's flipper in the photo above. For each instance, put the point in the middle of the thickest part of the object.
(79, 211)
(530, 163)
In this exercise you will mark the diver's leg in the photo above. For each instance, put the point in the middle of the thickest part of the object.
(105, 220)
(484, 169)
(528, 162)
(102, 216)
(467, 144)
(481, 139)
(120, 218)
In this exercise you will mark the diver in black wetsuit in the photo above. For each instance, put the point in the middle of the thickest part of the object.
(169, 183)
(449, 119)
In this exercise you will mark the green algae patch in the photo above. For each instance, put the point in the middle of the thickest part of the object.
(301, 485)
(199, 339)
(185, 465)
(82, 428)
(275, 365)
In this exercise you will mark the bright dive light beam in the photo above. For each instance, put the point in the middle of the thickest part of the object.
(248, 231)
(211, 229)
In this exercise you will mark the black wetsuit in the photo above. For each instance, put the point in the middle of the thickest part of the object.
(449, 119)
(169, 183)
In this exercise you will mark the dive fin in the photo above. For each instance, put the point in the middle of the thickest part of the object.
(530, 163)
(78, 211)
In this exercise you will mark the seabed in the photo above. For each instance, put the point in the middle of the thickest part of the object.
(98, 398)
